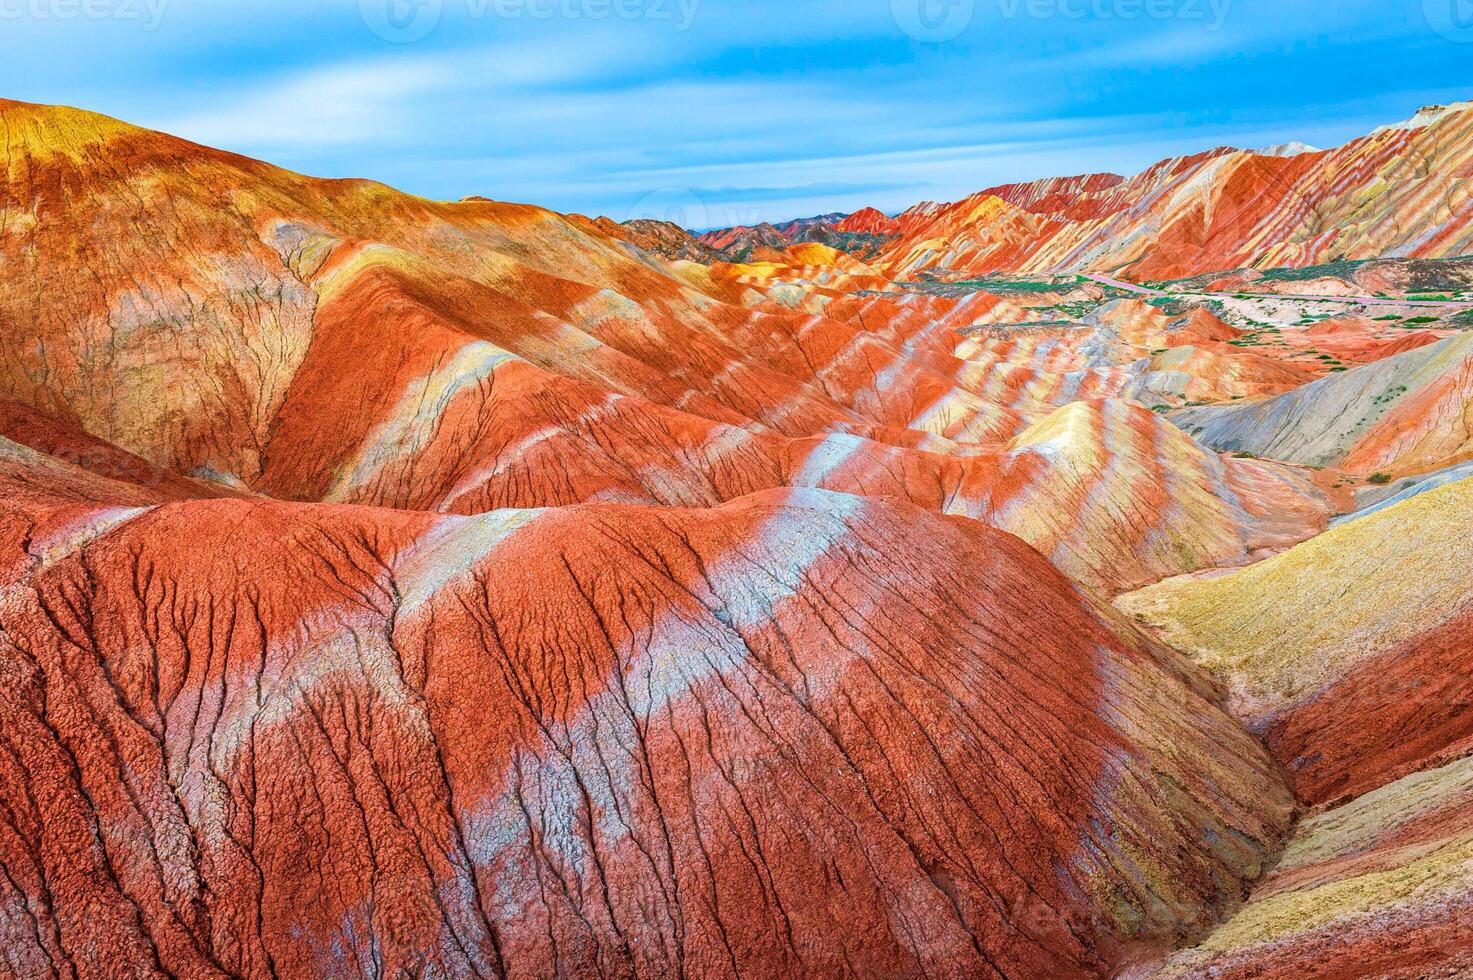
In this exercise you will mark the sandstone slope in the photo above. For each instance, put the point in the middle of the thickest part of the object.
(1378, 887)
(1349, 653)
(339, 341)
(1404, 415)
(800, 733)
(1403, 191)
(398, 587)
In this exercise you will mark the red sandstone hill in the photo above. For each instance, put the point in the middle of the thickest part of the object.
(642, 709)
(869, 221)
(1399, 192)
(250, 737)
(663, 238)
(741, 241)
(335, 340)
(863, 234)
(397, 587)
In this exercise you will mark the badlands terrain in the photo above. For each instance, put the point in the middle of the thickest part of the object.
(1070, 581)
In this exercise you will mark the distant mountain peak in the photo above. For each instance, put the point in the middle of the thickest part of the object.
(1293, 148)
(1426, 116)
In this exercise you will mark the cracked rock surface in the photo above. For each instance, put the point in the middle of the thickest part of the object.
(800, 733)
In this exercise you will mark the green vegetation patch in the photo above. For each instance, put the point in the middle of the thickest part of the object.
(1389, 395)
(1001, 284)
(1343, 269)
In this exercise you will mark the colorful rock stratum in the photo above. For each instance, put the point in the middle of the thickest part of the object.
(401, 588)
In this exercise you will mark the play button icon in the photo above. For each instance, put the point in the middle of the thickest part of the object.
(401, 21)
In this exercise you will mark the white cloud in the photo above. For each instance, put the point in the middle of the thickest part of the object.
(751, 109)
(335, 106)
(386, 100)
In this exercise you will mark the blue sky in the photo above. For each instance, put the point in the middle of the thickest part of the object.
(717, 112)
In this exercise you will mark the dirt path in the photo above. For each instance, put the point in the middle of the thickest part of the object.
(1131, 287)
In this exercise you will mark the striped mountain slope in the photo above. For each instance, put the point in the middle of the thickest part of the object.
(1405, 190)
(392, 587)
(338, 341)
(249, 738)
(1379, 887)
(1349, 653)
(1403, 415)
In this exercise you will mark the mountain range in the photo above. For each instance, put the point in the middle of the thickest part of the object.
(394, 587)
(1403, 191)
